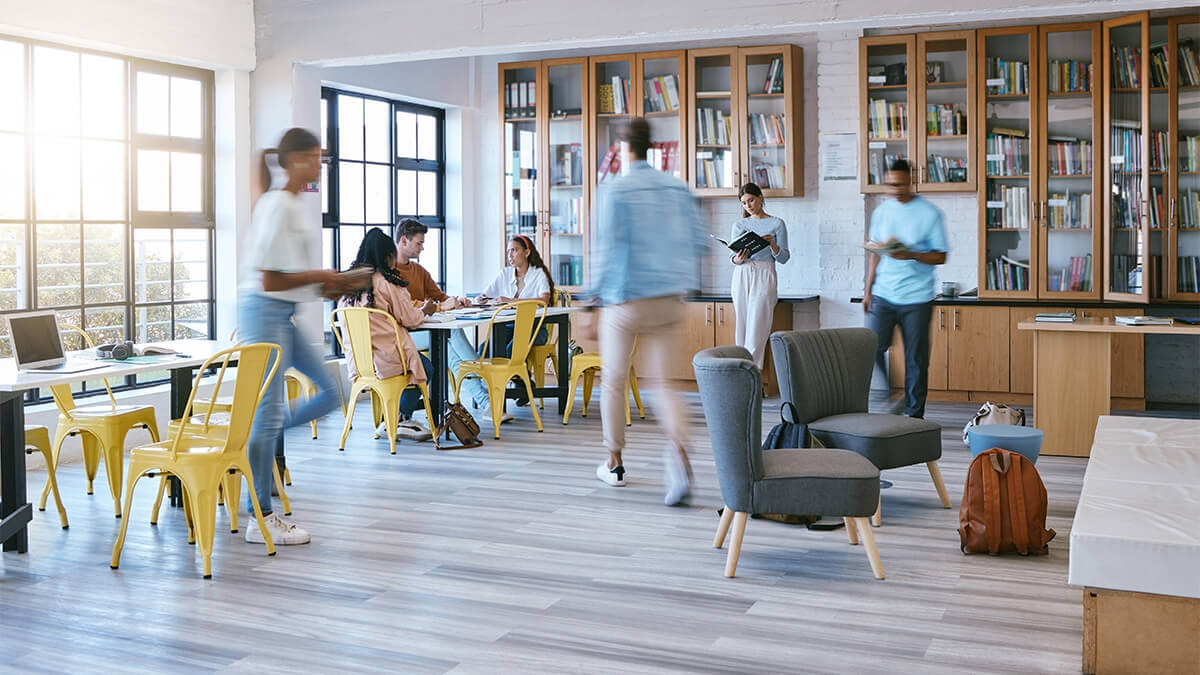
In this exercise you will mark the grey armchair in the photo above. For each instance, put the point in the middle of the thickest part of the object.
(826, 374)
(827, 481)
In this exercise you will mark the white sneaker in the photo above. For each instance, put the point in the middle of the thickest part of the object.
(283, 532)
(413, 431)
(677, 477)
(614, 477)
(506, 418)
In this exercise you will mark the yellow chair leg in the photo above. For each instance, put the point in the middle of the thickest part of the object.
(52, 486)
(287, 476)
(637, 394)
(283, 498)
(424, 389)
(113, 449)
(589, 376)
(537, 417)
(162, 488)
(231, 484)
(496, 402)
(355, 391)
(134, 475)
(391, 419)
(91, 459)
(204, 516)
(243, 465)
(574, 388)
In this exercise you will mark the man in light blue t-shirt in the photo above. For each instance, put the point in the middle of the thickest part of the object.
(900, 285)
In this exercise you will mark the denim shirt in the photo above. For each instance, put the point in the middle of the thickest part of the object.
(649, 239)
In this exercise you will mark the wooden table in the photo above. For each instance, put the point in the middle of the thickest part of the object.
(15, 512)
(1072, 377)
(439, 338)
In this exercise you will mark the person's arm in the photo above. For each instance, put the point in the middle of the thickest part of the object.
(273, 280)
(872, 263)
(926, 257)
(779, 244)
(935, 244)
(399, 303)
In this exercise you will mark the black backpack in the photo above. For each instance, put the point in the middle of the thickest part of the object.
(789, 434)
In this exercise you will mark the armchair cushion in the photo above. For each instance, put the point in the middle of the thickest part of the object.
(826, 481)
(889, 441)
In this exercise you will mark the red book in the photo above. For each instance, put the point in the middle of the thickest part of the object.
(614, 167)
(605, 163)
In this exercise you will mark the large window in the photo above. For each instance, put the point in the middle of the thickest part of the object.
(105, 193)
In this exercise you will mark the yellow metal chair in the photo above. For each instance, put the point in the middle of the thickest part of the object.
(538, 354)
(101, 429)
(37, 439)
(496, 372)
(214, 424)
(387, 390)
(584, 366)
(202, 461)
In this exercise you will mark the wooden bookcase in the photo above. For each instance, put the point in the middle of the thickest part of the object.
(1183, 208)
(884, 96)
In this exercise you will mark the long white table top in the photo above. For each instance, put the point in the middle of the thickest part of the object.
(1135, 527)
(479, 316)
(191, 353)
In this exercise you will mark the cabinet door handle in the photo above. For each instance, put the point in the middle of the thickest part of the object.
(1171, 217)
(708, 315)
(941, 319)
(721, 315)
(955, 318)
(1043, 213)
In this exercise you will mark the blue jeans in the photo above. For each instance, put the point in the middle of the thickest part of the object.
(914, 328)
(264, 319)
(410, 400)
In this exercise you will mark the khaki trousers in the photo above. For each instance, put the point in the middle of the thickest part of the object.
(655, 324)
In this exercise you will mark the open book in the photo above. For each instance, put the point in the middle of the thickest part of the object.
(886, 247)
(748, 241)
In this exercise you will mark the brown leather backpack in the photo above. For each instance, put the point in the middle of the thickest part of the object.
(1003, 506)
(456, 420)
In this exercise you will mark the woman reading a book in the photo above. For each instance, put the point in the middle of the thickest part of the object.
(755, 285)
(387, 292)
(276, 279)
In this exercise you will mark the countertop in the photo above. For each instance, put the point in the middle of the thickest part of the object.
(790, 299)
(974, 301)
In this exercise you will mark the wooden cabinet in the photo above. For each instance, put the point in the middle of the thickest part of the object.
(977, 351)
(1128, 360)
(1020, 350)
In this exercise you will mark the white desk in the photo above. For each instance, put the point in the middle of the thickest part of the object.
(15, 512)
(1135, 547)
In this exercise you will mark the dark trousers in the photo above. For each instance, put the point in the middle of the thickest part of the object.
(914, 327)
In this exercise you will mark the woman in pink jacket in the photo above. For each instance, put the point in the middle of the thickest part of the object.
(388, 293)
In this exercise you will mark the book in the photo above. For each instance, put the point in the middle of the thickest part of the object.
(747, 241)
(887, 247)
(1143, 320)
(1055, 316)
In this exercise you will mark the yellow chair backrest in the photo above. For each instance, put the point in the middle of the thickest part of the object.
(356, 321)
(62, 392)
(256, 365)
(531, 314)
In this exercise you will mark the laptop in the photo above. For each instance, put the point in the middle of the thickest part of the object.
(37, 345)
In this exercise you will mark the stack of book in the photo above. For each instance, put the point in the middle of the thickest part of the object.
(878, 163)
(1158, 64)
(1187, 270)
(713, 126)
(945, 119)
(614, 97)
(664, 156)
(566, 216)
(714, 170)
(1189, 154)
(1126, 274)
(773, 82)
(1007, 152)
(1189, 64)
(1126, 207)
(887, 120)
(1189, 208)
(939, 169)
(1070, 210)
(1159, 150)
(1007, 77)
(520, 100)
(770, 176)
(1069, 76)
(1144, 320)
(567, 168)
(1068, 156)
(1126, 136)
(766, 128)
(569, 270)
(1008, 206)
(610, 166)
(1156, 207)
(1076, 276)
(1126, 67)
(1006, 274)
(1054, 317)
(662, 94)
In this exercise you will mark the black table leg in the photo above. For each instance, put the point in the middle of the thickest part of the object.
(438, 354)
(564, 359)
(181, 390)
(15, 512)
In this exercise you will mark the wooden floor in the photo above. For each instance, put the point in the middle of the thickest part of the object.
(514, 558)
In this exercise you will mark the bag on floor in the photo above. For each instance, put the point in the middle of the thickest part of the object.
(994, 413)
(788, 435)
(1003, 506)
(456, 420)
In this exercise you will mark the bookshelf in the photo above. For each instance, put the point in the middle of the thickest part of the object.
(945, 153)
(1068, 175)
(663, 86)
(563, 245)
(522, 160)
(771, 137)
(886, 93)
(714, 92)
(1009, 147)
(1183, 210)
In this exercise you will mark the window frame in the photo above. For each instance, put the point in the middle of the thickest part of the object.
(133, 219)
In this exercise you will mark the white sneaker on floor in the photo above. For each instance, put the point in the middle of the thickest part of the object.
(614, 477)
(677, 476)
(413, 431)
(283, 532)
(506, 418)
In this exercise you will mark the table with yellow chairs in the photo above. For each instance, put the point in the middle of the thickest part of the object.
(442, 324)
(15, 511)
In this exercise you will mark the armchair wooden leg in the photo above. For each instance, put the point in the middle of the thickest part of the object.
(735, 542)
(851, 530)
(877, 519)
(936, 474)
(868, 540)
(723, 527)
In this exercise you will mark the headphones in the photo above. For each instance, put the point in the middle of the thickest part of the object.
(118, 351)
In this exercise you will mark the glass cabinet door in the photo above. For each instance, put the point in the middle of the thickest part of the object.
(887, 92)
(1184, 209)
(944, 91)
(613, 103)
(1008, 125)
(1070, 178)
(769, 74)
(1129, 162)
(566, 223)
(662, 85)
(713, 89)
(522, 197)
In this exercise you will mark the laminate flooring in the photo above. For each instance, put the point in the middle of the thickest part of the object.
(514, 558)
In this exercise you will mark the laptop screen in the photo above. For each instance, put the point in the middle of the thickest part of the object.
(35, 338)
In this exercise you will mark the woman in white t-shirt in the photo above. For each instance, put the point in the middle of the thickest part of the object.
(277, 276)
